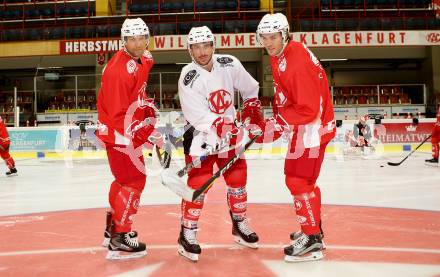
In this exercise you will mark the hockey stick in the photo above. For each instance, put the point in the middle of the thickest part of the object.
(399, 163)
(164, 161)
(175, 182)
(223, 169)
(224, 142)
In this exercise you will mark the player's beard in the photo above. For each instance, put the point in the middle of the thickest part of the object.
(207, 65)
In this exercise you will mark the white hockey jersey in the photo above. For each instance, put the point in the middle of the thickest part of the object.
(204, 96)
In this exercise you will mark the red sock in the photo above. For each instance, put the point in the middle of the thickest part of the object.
(114, 190)
(307, 202)
(125, 206)
(435, 150)
(308, 212)
(237, 201)
(191, 212)
(10, 162)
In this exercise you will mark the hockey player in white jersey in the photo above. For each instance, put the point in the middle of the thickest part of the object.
(206, 92)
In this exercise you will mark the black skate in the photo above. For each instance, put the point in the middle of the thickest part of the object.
(11, 172)
(243, 234)
(295, 235)
(108, 230)
(432, 162)
(305, 248)
(188, 245)
(123, 246)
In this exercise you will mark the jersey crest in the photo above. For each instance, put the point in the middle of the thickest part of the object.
(219, 101)
(131, 66)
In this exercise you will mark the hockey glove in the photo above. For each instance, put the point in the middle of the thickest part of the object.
(252, 112)
(273, 128)
(142, 132)
(223, 128)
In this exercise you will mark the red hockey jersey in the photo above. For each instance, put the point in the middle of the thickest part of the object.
(122, 97)
(302, 95)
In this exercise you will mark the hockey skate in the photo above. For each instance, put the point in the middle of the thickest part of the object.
(305, 248)
(11, 172)
(432, 162)
(243, 234)
(108, 230)
(122, 246)
(188, 245)
(295, 235)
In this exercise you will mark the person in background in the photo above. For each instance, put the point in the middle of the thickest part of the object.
(5, 142)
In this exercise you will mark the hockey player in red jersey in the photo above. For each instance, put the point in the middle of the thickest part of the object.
(435, 140)
(302, 105)
(126, 121)
(4, 149)
(206, 92)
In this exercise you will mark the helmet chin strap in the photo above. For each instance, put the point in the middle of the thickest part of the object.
(286, 41)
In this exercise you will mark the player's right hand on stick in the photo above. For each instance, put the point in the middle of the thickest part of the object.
(143, 132)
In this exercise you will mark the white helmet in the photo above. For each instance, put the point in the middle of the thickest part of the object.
(273, 23)
(134, 27)
(200, 34)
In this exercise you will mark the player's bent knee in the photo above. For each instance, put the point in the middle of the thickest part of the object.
(137, 185)
(236, 176)
(196, 181)
(298, 186)
(236, 179)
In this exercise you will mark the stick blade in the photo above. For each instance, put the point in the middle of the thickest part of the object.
(393, 164)
(176, 184)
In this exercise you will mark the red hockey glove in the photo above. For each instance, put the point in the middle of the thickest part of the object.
(223, 128)
(273, 128)
(142, 132)
(252, 112)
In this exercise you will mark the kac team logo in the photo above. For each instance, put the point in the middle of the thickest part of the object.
(131, 66)
(219, 101)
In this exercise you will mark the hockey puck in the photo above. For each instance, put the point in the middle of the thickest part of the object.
(381, 166)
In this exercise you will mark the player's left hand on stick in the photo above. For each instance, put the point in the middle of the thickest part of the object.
(224, 127)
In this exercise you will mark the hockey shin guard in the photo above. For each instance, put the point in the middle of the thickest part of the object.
(191, 212)
(125, 206)
(307, 202)
(435, 150)
(237, 202)
(10, 162)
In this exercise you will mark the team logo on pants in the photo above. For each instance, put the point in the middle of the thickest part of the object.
(194, 212)
(219, 101)
(302, 220)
